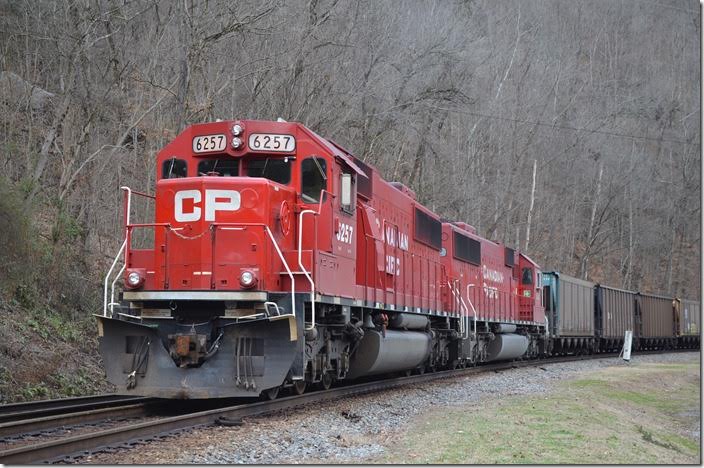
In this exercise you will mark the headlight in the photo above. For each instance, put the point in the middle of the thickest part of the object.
(237, 129)
(236, 142)
(133, 279)
(247, 279)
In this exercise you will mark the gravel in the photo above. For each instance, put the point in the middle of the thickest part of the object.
(354, 429)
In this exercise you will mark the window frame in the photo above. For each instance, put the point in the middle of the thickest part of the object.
(202, 161)
(174, 160)
(435, 228)
(322, 164)
(476, 261)
(349, 209)
(287, 161)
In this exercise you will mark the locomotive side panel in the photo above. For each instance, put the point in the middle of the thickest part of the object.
(396, 270)
(492, 290)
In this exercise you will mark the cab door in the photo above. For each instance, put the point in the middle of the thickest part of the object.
(344, 238)
(328, 188)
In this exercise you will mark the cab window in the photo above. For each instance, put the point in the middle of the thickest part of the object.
(219, 167)
(527, 277)
(313, 179)
(173, 168)
(277, 170)
(347, 195)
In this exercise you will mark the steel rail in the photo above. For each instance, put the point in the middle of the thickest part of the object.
(28, 426)
(30, 410)
(84, 444)
(21, 406)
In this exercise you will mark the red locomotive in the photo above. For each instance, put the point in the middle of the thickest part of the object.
(280, 260)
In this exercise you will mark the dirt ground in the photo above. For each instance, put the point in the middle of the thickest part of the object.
(44, 354)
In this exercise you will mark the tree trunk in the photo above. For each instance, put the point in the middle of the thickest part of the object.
(584, 265)
(532, 203)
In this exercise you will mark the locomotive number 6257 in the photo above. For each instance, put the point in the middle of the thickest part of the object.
(272, 142)
(208, 143)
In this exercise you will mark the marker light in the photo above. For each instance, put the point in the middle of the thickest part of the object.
(237, 129)
(236, 143)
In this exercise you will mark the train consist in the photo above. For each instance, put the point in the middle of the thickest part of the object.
(585, 317)
(279, 260)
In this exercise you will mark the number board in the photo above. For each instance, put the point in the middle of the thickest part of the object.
(209, 143)
(272, 142)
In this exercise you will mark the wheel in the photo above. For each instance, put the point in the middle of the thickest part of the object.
(299, 386)
(272, 393)
(326, 381)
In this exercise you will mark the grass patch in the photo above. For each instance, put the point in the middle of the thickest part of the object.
(633, 414)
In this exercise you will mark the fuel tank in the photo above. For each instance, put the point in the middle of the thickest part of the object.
(505, 328)
(507, 346)
(399, 350)
(409, 321)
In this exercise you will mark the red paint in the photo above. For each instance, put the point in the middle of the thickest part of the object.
(218, 229)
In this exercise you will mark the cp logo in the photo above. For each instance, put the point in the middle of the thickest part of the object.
(215, 200)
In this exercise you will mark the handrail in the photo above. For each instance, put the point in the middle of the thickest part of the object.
(463, 308)
(107, 278)
(112, 303)
(123, 248)
(288, 270)
(300, 255)
(300, 264)
(278, 251)
(454, 294)
(474, 311)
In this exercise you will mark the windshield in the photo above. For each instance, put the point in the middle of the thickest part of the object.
(278, 170)
(219, 167)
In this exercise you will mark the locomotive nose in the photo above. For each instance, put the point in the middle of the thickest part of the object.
(221, 233)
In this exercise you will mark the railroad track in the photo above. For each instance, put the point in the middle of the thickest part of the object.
(12, 410)
(72, 447)
(33, 421)
(16, 411)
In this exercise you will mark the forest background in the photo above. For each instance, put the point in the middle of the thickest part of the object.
(567, 128)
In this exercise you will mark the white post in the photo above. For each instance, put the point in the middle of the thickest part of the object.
(627, 340)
